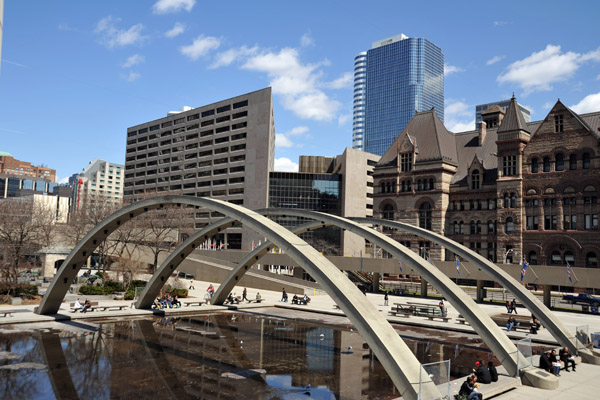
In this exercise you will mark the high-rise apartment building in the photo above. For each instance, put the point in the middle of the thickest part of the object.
(223, 150)
(397, 77)
(99, 179)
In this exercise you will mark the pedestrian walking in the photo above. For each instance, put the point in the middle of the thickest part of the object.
(284, 296)
(385, 299)
(442, 308)
(513, 306)
(244, 293)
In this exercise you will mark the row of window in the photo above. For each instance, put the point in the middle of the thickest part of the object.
(216, 161)
(189, 118)
(194, 137)
(559, 163)
(460, 205)
(207, 193)
(590, 222)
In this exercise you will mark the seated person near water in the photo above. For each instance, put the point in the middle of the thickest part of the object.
(483, 373)
(295, 300)
(567, 357)
(470, 389)
(306, 299)
(493, 371)
(86, 305)
(176, 302)
(545, 362)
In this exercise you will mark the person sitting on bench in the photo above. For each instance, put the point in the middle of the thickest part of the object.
(306, 300)
(510, 324)
(86, 305)
(295, 300)
(567, 357)
(535, 325)
(78, 305)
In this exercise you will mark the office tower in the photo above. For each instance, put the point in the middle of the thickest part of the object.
(99, 179)
(223, 150)
(403, 76)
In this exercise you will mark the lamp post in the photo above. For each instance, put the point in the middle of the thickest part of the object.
(506, 253)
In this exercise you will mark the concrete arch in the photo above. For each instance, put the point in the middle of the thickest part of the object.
(548, 320)
(397, 359)
(492, 335)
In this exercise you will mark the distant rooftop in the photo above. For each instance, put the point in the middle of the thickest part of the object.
(5, 154)
(390, 40)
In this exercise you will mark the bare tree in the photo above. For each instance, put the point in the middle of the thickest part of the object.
(22, 231)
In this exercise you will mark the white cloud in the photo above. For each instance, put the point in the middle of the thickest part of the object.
(176, 30)
(297, 131)
(281, 140)
(111, 36)
(296, 82)
(458, 116)
(201, 46)
(306, 40)
(343, 81)
(63, 181)
(226, 58)
(494, 60)
(133, 60)
(451, 69)
(500, 23)
(343, 119)
(540, 70)
(171, 6)
(286, 165)
(132, 76)
(589, 103)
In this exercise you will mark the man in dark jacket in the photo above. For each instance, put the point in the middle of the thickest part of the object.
(483, 374)
(493, 371)
(567, 357)
(545, 363)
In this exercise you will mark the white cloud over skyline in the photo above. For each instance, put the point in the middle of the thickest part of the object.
(176, 30)
(589, 103)
(284, 164)
(172, 6)
(539, 71)
(451, 69)
(201, 46)
(112, 36)
(458, 116)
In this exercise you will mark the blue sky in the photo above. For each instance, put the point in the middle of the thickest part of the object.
(75, 74)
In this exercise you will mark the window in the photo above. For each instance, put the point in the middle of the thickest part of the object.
(509, 165)
(550, 222)
(406, 162)
(475, 179)
(572, 162)
(240, 104)
(535, 168)
(513, 200)
(506, 200)
(491, 226)
(455, 230)
(532, 258)
(558, 123)
(546, 164)
(425, 214)
(491, 204)
(388, 212)
(472, 229)
(559, 162)
(591, 260)
(509, 225)
(555, 258)
(223, 109)
(586, 161)
(590, 221)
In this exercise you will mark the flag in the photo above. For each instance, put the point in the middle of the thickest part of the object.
(569, 272)
(400, 265)
(253, 245)
(524, 270)
(458, 267)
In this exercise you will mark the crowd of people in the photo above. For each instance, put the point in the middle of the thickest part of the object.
(166, 301)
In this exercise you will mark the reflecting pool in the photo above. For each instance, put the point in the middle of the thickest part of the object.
(210, 356)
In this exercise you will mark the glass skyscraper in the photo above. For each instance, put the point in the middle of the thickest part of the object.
(392, 80)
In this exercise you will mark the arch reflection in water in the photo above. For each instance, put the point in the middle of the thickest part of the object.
(223, 355)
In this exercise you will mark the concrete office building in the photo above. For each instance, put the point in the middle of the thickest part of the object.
(397, 77)
(493, 107)
(341, 185)
(99, 179)
(223, 150)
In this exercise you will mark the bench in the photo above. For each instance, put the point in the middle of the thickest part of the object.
(257, 300)
(104, 308)
(7, 313)
(462, 321)
(401, 313)
(432, 317)
(94, 305)
(189, 303)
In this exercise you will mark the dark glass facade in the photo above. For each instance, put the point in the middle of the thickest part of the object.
(316, 192)
(402, 77)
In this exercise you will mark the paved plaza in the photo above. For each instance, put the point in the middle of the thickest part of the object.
(583, 384)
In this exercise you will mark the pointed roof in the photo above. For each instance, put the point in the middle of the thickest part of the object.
(513, 120)
(573, 113)
(430, 138)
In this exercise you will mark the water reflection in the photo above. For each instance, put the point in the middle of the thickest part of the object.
(210, 356)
